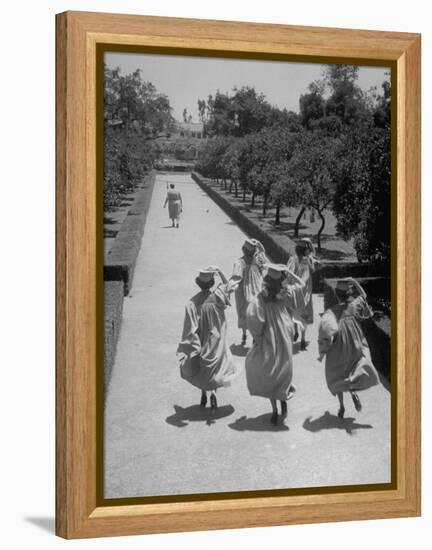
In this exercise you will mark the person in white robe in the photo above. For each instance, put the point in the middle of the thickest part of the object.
(303, 263)
(348, 363)
(269, 362)
(247, 275)
(206, 361)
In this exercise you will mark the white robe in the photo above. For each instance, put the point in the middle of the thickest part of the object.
(269, 363)
(208, 363)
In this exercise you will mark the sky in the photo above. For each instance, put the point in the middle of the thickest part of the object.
(186, 79)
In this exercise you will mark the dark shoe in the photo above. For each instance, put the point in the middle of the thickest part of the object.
(356, 401)
(296, 334)
(284, 408)
(341, 412)
(203, 402)
(303, 345)
(243, 342)
(213, 401)
(274, 418)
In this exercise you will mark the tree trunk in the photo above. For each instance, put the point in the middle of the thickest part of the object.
(277, 219)
(298, 220)
(244, 194)
(321, 229)
(264, 211)
(236, 190)
(253, 200)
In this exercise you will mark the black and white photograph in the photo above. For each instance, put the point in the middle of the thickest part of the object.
(247, 213)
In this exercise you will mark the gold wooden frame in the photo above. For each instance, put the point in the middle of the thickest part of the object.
(78, 36)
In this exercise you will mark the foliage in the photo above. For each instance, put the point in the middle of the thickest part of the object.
(134, 114)
(210, 161)
(334, 155)
(243, 112)
(362, 197)
(314, 169)
(312, 107)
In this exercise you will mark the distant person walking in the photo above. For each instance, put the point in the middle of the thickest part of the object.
(175, 205)
(206, 361)
(247, 276)
(269, 363)
(303, 263)
(348, 364)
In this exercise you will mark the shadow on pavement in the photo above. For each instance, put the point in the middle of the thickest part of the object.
(296, 348)
(331, 422)
(258, 424)
(239, 350)
(196, 413)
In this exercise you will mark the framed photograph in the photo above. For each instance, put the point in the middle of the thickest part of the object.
(238, 274)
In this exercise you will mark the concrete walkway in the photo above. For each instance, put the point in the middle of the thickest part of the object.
(158, 441)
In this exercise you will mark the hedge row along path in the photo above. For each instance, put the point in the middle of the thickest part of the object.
(159, 441)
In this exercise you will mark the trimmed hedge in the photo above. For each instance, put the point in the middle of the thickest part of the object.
(121, 260)
(113, 308)
(174, 167)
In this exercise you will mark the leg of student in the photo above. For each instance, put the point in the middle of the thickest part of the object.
(274, 416)
(203, 398)
(303, 339)
(213, 400)
(356, 401)
(341, 411)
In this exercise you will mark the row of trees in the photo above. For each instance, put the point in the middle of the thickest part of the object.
(134, 114)
(333, 155)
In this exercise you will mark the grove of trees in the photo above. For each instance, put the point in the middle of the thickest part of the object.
(134, 114)
(332, 156)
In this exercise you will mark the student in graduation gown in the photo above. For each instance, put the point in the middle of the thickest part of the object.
(348, 364)
(206, 361)
(247, 276)
(303, 263)
(269, 363)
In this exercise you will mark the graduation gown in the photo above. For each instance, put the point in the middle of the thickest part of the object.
(269, 363)
(348, 364)
(207, 363)
(248, 274)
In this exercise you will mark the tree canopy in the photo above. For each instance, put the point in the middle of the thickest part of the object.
(134, 114)
(332, 156)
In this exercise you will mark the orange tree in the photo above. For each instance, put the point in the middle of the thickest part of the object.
(313, 171)
(134, 114)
